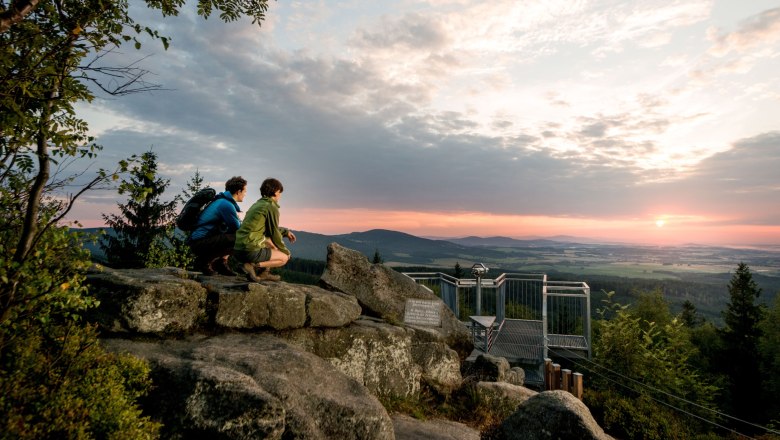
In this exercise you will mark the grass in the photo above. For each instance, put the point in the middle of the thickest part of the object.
(464, 406)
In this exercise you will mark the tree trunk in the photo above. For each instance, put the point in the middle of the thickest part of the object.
(16, 13)
(29, 227)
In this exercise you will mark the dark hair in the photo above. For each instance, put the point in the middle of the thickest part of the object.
(235, 184)
(270, 186)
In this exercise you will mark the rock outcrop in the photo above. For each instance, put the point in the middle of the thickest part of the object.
(407, 428)
(147, 300)
(247, 386)
(382, 292)
(389, 360)
(171, 301)
(551, 415)
(489, 368)
(280, 306)
(238, 360)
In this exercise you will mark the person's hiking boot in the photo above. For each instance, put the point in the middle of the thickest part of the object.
(222, 268)
(249, 269)
(266, 275)
(205, 269)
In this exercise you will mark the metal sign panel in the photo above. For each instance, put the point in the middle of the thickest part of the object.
(424, 312)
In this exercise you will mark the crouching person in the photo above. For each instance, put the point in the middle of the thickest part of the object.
(214, 236)
(259, 246)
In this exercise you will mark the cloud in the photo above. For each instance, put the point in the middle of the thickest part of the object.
(760, 30)
(493, 107)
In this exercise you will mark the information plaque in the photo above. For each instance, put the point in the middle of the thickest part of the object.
(423, 312)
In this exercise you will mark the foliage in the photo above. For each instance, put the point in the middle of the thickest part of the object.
(466, 406)
(458, 271)
(739, 360)
(55, 380)
(60, 383)
(769, 347)
(641, 364)
(169, 249)
(144, 218)
(194, 185)
(377, 258)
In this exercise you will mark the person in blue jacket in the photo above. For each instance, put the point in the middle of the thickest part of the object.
(214, 235)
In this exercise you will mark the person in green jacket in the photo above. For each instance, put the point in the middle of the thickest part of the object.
(259, 245)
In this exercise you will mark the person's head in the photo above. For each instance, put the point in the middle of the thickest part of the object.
(236, 186)
(270, 187)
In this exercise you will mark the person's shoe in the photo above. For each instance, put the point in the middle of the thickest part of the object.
(205, 269)
(249, 269)
(222, 268)
(266, 275)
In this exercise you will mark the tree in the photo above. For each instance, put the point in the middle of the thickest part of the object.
(194, 185)
(637, 366)
(144, 217)
(690, 316)
(56, 382)
(769, 347)
(459, 271)
(739, 338)
(377, 258)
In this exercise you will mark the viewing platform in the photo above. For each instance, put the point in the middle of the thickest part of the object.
(521, 317)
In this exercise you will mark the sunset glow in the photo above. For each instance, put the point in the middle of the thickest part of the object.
(652, 122)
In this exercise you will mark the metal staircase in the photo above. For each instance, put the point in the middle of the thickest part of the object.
(524, 316)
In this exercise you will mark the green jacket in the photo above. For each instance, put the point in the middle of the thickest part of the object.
(260, 223)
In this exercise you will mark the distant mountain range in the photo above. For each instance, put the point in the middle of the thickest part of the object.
(557, 253)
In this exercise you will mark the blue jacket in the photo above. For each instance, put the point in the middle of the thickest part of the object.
(220, 217)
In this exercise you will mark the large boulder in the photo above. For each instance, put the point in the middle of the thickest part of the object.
(280, 306)
(408, 428)
(502, 393)
(383, 292)
(152, 301)
(243, 386)
(172, 301)
(390, 361)
(551, 415)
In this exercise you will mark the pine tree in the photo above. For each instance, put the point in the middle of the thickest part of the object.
(458, 270)
(194, 185)
(144, 218)
(739, 338)
(377, 258)
(690, 316)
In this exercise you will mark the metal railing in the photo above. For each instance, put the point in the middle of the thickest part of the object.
(563, 307)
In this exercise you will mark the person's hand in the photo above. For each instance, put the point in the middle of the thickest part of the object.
(291, 236)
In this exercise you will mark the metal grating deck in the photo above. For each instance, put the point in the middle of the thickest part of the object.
(571, 342)
(520, 340)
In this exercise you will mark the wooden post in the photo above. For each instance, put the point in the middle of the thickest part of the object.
(577, 386)
(548, 374)
(556, 376)
(566, 380)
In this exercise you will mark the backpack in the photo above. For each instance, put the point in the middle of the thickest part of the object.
(187, 219)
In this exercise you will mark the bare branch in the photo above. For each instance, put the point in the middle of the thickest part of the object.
(118, 81)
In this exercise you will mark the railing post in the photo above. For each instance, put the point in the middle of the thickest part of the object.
(479, 295)
(501, 302)
(566, 379)
(544, 315)
(577, 386)
(548, 374)
(587, 320)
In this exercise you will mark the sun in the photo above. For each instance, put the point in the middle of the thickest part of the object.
(660, 223)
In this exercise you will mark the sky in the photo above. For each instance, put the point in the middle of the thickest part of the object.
(654, 122)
